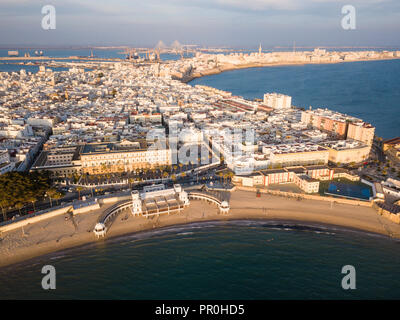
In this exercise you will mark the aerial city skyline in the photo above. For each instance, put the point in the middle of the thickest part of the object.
(200, 149)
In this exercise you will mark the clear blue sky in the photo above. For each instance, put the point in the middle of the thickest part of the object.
(235, 23)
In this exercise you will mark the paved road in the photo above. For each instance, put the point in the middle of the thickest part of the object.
(72, 196)
(379, 152)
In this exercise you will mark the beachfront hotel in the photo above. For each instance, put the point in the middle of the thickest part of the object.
(340, 125)
(128, 156)
(326, 120)
(361, 131)
(101, 158)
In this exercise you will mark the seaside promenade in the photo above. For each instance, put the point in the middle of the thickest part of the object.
(58, 233)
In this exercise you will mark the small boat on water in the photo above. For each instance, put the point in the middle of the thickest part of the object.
(38, 53)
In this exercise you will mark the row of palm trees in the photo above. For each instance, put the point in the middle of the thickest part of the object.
(139, 174)
(226, 176)
(17, 189)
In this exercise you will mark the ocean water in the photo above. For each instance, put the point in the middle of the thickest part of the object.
(368, 90)
(217, 260)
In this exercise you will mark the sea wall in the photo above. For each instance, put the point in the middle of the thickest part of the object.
(86, 209)
(40, 216)
(387, 214)
(308, 196)
(56, 211)
(115, 199)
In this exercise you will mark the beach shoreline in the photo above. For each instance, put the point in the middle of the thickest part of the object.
(294, 225)
(225, 68)
(55, 235)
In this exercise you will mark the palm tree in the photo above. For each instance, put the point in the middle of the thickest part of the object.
(76, 178)
(70, 177)
(57, 196)
(51, 193)
(79, 189)
(4, 204)
(230, 175)
(32, 200)
(19, 206)
(226, 176)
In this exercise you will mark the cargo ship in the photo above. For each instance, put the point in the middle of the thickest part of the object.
(13, 53)
(133, 56)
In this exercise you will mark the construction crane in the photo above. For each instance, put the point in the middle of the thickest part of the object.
(131, 54)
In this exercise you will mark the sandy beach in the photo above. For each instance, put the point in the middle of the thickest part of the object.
(56, 234)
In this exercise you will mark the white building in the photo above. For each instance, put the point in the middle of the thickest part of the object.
(156, 200)
(277, 101)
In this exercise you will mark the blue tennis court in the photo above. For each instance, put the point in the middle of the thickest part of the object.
(350, 190)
